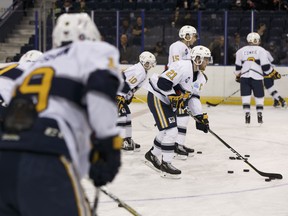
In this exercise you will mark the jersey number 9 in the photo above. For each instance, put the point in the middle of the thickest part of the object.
(38, 83)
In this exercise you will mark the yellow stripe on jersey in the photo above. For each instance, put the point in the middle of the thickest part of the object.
(81, 202)
(160, 113)
(8, 68)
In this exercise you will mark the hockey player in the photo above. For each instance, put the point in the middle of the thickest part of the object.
(168, 92)
(10, 72)
(177, 51)
(181, 49)
(134, 78)
(252, 64)
(269, 85)
(47, 145)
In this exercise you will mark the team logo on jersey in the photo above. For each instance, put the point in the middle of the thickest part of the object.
(171, 120)
(196, 85)
(187, 80)
(186, 51)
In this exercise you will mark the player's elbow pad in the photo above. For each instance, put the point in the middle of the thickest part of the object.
(164, 84)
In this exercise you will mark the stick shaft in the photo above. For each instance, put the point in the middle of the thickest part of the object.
(270, 175)
(122, 204)
(213, 104)
(96, 200)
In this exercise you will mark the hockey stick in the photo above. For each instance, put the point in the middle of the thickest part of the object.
(94, 213)
(137, 98)
(120, 202)
(216, 104)
(270, 175)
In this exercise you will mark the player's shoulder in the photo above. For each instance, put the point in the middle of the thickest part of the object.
(241, 49)
(182, 65)
(177, 44)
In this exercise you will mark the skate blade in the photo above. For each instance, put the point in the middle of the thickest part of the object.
(137, 149)
(170, 176)
(128, 152)
(180, 157)
(149, 164)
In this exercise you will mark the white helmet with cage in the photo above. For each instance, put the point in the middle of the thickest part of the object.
(74, 27)
(30, 56)
(187, 29)
(147, 59)
(253, 38)
(198, 53)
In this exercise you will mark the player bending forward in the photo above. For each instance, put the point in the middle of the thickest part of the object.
(10, 73)
(166, 93)
(134, 78)
(47, 145)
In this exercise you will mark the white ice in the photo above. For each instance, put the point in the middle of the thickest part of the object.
(206, 189)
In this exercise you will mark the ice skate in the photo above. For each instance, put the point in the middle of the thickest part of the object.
(180, 152)
(189, 150)
(127, 145)
(282, 102)
(276, 103)
(136, 145)
(247, 118)
(169, 171)
(152, 161)
(259, 117)
(130, 145)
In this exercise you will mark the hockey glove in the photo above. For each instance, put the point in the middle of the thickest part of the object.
(237, 79)
(202, 122)
(120, 101)
(274, 75)
(178, 101)
(105, 159)
(175, 101)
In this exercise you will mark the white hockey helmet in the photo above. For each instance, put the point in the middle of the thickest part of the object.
(147, 59)
(30, 56)
(187, 29)
(74, 27)
(253, 38)
(198, 53)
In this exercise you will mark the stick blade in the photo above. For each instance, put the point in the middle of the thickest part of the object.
(271, 175)
(211, 104)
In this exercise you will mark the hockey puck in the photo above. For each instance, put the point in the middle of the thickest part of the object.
(230, 171)
(238, 158)
(199, 152)
(267, 179)
(245, 170)
(232, 158)
(119, 205)
(246, 156)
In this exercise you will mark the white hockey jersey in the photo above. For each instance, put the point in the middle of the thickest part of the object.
(8, 76)
(180, 73)
(134, 78)
(252, 61)
(199, 81)
(178, 51)
(76, 85)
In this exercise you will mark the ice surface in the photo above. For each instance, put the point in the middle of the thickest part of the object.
(206, 189)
